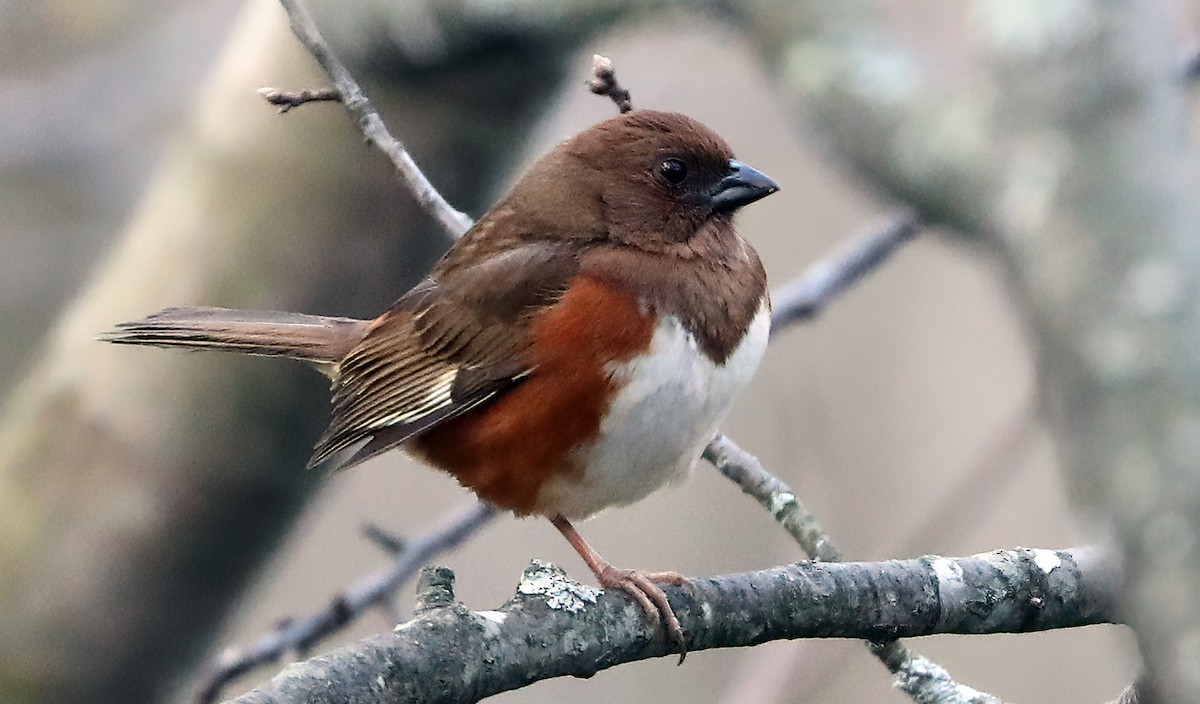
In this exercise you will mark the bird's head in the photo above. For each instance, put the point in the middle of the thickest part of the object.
(648, 179)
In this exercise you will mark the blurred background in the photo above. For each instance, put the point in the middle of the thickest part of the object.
(155, 505)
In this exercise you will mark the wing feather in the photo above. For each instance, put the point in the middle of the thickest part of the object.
(452, 343)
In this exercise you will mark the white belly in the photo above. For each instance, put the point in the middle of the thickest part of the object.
(669, 406)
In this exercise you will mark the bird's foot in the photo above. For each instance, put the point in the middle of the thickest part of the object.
(643, 587)
(639, 585)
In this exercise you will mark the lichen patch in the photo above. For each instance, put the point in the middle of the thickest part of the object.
(561, 592)
(1046, 560)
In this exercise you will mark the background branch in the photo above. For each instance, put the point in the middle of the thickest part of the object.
(286, 100)
(805, 297)
(371, 592)
(368, 120)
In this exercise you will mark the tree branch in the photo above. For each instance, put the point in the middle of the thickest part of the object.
(286, 100)
(803, 298)
(924, 680)
(743, 469)
(604, 82)
(368, 120)
(451, 654)
(921, 679)
(374, 591)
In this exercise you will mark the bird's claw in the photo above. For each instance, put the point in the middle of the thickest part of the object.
(643, 587)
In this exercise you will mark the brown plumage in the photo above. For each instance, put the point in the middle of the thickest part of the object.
(606, 294)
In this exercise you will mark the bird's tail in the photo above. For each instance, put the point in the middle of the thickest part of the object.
(313, 338)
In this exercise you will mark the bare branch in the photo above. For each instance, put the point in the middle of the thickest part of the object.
(286, 100)
(807, 296)
(747, 472)
(371, 124)
(604, 82)
(550, 627)
(924, 680)
(921, 679)
(373, 591)
(387, 541)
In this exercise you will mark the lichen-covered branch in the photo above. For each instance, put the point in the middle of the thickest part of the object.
(1131, 695)
(923, 680)
(552, 627)
(785, 507)
(920, 678)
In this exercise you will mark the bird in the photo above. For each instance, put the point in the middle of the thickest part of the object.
(573, 351)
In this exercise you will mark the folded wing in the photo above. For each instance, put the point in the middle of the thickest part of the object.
(442, 350)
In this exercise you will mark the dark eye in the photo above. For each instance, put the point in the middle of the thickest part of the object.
(674, 170)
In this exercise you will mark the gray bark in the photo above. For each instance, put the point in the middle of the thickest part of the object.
(554, 627)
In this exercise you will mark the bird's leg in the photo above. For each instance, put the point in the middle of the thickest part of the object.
(640, 585)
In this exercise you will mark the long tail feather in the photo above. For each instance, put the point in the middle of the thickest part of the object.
(310, 337)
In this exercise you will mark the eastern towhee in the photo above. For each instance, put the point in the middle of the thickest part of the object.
(575, 350)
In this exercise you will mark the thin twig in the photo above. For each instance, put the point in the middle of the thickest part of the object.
(803, 298)
(747, 472)
(924, 680)
(373, 591)
(604, 82)
(371, 124)
(387, 541)
(1189, 68)
(920, 679)
(286, 100)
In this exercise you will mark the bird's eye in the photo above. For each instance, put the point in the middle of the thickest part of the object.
(673, 170)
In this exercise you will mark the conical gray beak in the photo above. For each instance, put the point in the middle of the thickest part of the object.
(741, 186)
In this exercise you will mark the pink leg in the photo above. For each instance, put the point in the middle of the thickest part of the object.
(639, 585)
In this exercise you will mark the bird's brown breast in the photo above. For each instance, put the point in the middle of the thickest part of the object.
(713, 283)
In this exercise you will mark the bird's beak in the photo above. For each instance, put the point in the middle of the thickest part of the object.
(742, 185)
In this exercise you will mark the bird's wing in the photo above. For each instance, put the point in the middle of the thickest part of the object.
(447, 346)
